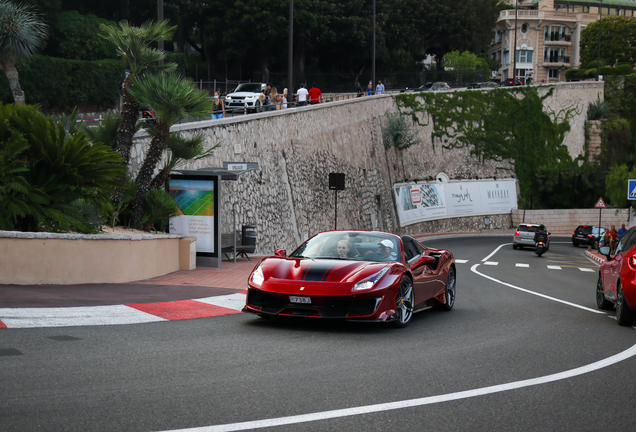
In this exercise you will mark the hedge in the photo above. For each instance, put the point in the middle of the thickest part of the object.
(60, 84)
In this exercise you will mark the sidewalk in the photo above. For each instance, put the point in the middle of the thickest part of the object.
(184, 294)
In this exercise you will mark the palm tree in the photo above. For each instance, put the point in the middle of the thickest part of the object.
(134, 46)
(173, 98)
(181, 149)
(22, 34)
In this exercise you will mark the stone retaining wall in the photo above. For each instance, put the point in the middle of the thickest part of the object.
(288, 197)
(565, 221)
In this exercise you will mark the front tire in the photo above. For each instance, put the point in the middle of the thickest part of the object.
(258, 107)
(601, 302)
(449, 291)
(624, 315)
(404, 303)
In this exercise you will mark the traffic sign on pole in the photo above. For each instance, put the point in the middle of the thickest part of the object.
(600, 203)
(631, 189)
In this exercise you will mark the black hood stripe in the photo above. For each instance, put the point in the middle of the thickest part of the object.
(317, 272)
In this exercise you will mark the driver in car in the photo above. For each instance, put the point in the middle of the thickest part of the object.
(384, 253)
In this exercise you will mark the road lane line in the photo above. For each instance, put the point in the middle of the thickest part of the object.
(522, 265)
(473, 269)
(410, 403)
(495, 251)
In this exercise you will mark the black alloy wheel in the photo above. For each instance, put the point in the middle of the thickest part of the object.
(601, 301)
(405, 303)
(258, 107)
(595, 245)
(624, 315)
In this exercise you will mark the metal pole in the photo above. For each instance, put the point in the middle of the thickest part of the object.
(514, 53)
(600, 212)
(373, 52)
(290, 53)
(234, 230)
(598, 48)
(160, 19)
(335, 223)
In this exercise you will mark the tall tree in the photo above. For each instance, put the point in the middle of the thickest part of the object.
(173, 98)
(134, 46)
(22, 34)
(618, 41)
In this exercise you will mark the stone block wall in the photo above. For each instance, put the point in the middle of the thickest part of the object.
(566, 220)
(288, 197)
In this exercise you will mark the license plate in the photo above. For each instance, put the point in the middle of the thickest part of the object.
(580, 235)
(300, 299)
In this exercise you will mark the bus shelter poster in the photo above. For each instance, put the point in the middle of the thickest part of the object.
(195, 199)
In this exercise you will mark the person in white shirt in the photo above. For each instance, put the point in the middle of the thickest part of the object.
(301, 95)
(284, 100)
(379, 89)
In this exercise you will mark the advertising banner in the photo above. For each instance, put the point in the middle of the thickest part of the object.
(417, 202)
(196, 201)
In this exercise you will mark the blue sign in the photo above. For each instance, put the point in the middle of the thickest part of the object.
(631, 189)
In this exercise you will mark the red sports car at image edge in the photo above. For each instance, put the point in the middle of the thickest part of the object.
(354, 275)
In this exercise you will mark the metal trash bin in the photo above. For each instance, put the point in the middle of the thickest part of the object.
(248, 237)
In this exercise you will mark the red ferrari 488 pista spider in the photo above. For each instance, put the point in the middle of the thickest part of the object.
(354, 275)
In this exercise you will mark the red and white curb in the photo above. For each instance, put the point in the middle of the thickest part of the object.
(122, 314)
(598, 259)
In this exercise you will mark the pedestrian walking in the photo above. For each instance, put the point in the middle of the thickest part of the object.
(218, 108)
(283, 100)
(379, 89)
(315, 95)
(370, 88)
(301, 95)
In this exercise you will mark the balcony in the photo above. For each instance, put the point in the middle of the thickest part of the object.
(556, 37)
(555, 60)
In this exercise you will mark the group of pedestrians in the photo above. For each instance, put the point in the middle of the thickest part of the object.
(379, 89)
(272, 100)
(611, 237)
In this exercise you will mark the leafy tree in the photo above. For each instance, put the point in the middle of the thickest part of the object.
(134, 47)
(173, 98)
(618, 41)
(45, 170)
(22, 34)
(73, 36)
(616, 185)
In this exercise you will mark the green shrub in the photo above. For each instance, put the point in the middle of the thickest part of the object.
(48, 174)
(590, 73)
(592, 64)
(571, 74)
(68, 83)
(607, 70)
(624, 69)
(74, 37)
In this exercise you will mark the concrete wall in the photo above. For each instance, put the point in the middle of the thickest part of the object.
(288, 197)
(45, 258)
(566, 220)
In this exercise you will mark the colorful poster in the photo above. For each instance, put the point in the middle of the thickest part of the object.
(195, 199)
(430, 201)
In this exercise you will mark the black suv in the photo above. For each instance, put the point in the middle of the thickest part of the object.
(587, 235)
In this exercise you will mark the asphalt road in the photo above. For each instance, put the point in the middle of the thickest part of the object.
(524, 349)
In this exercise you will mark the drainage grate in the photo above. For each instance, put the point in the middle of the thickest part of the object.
(9, 352)
(63, 338)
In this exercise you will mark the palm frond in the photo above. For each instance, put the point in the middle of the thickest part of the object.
(22, 31)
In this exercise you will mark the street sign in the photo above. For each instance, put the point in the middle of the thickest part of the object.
(631, 189)
(600, 204)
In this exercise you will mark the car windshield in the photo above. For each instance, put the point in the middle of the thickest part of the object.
(350, 245)
(249, 87)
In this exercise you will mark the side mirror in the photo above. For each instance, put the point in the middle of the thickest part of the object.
(605, 250)
(280, 252)
(424, 260)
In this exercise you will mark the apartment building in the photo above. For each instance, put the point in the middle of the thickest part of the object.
(548, 33)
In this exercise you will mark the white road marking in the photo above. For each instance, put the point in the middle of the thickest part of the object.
(74, 316)
(492, 263)
(522, 265)
(555, 267)
(410, 403)
(473, 269)
(495, 251)
(460, 261)
(586, 269)
(231, 301)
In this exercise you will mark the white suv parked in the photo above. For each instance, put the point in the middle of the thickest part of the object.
(246, 94)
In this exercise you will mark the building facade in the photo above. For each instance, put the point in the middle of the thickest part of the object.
(547, 35)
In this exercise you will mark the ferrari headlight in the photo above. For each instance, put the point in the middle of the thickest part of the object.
(257, 276)
(370, 282)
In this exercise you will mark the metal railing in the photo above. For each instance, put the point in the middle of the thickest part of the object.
(556, 59)
(556, 37)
